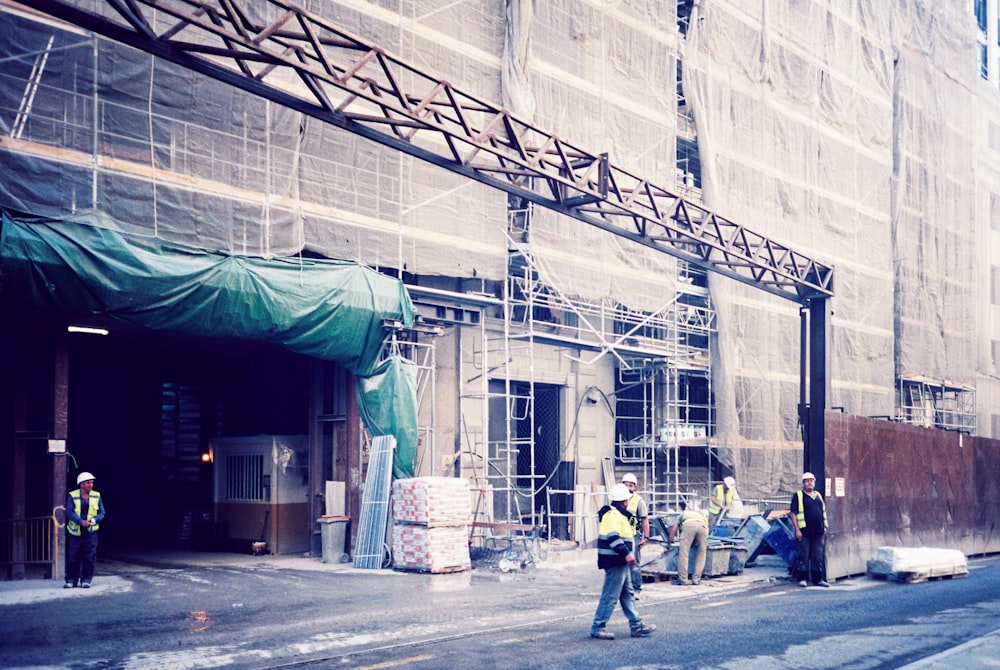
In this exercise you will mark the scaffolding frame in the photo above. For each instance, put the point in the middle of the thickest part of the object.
(658, 352)
(935, 403)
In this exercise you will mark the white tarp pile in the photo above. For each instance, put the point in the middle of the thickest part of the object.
(431, 529)
(917, 564)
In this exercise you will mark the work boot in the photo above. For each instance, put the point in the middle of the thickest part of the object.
(643, 631)
(602, 634)
(681, 582)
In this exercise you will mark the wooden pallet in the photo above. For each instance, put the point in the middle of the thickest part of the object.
(439, 571)
(917, 577)
(657, 576)
(917, 565)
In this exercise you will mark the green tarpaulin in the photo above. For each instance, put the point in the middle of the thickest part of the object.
(388, 403)
(332, 310)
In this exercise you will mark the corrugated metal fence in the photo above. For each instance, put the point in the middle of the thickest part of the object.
(897, 485)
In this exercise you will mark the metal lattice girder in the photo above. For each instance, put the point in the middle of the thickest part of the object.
(295, 58)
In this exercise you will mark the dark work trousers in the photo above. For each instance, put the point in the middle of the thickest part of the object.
(81, 554)
(810, 558)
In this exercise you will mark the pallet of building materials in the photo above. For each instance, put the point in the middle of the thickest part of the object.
(430, 549)
(914, 565)
(431, 501)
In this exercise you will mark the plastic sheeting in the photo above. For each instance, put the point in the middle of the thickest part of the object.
(847, 130)
(857, 131)
(388, 402)
(165, 152)
(327, 309)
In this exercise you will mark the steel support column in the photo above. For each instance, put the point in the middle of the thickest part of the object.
(815, 444)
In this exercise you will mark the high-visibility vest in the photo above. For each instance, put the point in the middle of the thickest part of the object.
(93, 507)
(726, 498)
(800, 516)
(633, 506)
(611, 537)
(693, 517)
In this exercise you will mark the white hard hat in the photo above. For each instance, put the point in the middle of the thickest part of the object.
(730, 482)
(620, 492)
(84, 477)
(630, 479)
(808, 475)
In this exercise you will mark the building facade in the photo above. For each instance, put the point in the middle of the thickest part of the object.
(549, 355)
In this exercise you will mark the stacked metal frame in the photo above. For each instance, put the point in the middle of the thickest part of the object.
(371, 546)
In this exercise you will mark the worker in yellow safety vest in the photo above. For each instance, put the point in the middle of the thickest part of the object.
(722, 499)
(808, 512)
(639, 518)
(84, 513)
(694, 533)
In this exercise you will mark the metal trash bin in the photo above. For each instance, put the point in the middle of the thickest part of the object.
(334, 536)
(781, 537)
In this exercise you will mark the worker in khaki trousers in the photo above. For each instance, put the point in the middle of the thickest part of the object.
(694, 530)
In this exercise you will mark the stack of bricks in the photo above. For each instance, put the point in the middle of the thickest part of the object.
(431, 524)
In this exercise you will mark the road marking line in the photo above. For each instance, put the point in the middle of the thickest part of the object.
(773, 593)
(515, 640)
(396, 663)
(707, 605)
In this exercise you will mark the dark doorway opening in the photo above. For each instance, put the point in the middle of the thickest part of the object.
(142, 409)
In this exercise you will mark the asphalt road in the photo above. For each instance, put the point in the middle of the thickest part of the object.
(265, 614)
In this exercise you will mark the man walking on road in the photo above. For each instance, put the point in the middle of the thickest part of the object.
(808, 512)
(614, 556)
(640, 529)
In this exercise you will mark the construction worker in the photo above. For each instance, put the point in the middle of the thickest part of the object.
(694, 531)
(84, 512)
(721, 500)
(808, 512)
(614, 556)
(639, 520)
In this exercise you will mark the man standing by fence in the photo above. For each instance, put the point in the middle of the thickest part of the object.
(808, 512)
(84, 512)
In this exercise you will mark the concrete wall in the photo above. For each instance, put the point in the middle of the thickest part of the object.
(890, 484)
(287, 529)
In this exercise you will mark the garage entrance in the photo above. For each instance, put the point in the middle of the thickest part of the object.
(142, 410)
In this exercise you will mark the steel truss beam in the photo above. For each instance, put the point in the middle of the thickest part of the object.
(290, 56)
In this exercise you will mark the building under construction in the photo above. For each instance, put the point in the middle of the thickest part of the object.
(582, 237)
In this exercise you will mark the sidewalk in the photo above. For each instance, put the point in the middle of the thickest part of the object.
(983, 652)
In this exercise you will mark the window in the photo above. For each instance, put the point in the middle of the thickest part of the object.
(245, 478)
(689, 161)
(980, 10)
(994, 287)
